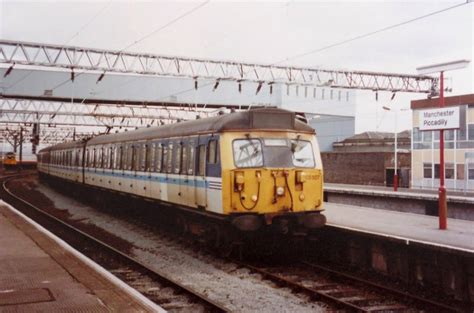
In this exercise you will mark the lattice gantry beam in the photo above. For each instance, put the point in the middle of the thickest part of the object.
(88, 59)
(48, 135)
(90, 114)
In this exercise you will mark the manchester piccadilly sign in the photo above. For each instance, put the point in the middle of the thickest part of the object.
(436, 119)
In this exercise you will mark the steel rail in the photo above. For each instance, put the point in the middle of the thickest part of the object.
(342, 301)
(156, 275)
(393, 291)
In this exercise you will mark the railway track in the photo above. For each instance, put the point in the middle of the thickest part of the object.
(344, 291)
(155, 285)
(339, 290)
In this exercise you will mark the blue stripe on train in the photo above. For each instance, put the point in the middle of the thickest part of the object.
(173, 181)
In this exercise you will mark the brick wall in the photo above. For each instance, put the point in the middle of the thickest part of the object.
(360, 168)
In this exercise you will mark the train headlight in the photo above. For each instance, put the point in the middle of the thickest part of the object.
(300, 177)
(301, 197)
(280, 191)
(239, 181)
(254, 198)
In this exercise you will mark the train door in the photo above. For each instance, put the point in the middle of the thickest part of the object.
(187, 185)
(200, 179)
(213, 176)
(149, 167)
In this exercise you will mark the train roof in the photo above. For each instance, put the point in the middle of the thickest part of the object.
(256, 119)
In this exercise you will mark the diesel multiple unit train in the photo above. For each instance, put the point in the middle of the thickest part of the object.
(254, 169)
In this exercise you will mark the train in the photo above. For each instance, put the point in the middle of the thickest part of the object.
(9, 160)
(247, 170)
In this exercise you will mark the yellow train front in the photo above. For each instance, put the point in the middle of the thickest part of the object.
(273, 174)
(9, 161)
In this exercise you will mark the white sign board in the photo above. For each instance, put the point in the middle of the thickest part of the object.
(442, 118)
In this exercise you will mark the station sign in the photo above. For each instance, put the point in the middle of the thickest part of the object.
(437, 119)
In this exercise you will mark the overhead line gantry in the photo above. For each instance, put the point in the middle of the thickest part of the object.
(113, 61)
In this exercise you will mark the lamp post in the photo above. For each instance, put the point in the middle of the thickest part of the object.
(441, 68)
(395, 173)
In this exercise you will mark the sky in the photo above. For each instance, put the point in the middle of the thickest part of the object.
(268, 32)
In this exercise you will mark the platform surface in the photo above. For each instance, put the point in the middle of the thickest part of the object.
(37, 274)
(413, 227)
(424, 194)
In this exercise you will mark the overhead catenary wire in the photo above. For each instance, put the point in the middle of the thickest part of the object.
(371, 33)
(194, 9)
(346, 41)
(69, 40)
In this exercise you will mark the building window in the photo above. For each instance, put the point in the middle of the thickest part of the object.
(449, 170)
(339, 95)
(427, 170)
(331, 94)
(347, 96)
(314, 93)
(427, 136)
(436, 171)
(460, 171)
(416, 134)
(470, 129)
(470, 171)
(449, 135)
(322, 93)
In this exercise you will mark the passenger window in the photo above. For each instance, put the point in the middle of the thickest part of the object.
(191, 160)
(178, 158)
(143, 157)
(120, 158)
(111, 157)
(184, 159)
(150, 148)
(169, 159)
(202, 160)
(158, 157)
(135, 158)
(129, 159)
(212, 152)
(94, 156)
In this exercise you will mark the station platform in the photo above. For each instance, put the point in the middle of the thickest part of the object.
(421, 194)
(401, 225)
(41, 273)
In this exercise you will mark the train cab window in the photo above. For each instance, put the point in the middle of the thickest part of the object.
(159, 152)
(247, 152)
(201, 170)
(212, 152)
(303, 155)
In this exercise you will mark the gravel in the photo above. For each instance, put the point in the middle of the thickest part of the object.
(224, 282)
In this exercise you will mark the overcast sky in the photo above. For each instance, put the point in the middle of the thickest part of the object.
(267, 32)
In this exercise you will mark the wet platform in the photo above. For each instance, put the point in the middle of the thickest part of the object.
(406, 226)
(41, 273)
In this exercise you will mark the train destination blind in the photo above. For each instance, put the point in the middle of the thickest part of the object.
(436, 119)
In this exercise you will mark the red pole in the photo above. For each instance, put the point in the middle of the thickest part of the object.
(443, 206)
